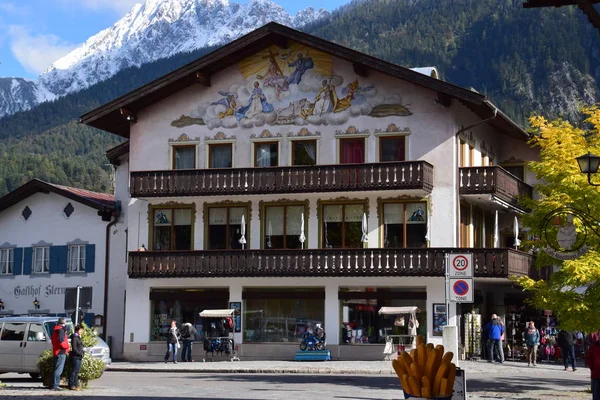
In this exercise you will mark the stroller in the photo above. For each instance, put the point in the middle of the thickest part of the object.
(313, 341)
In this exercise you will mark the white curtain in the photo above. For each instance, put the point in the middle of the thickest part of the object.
(220, 157)
(185, 157)
(275, 220)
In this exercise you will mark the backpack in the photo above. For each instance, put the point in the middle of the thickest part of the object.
(185, 331)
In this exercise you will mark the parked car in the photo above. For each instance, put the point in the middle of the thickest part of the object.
(22, 340)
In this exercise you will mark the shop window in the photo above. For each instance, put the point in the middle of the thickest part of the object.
(304, 152)
(283, 226)
(6, 261)
(224, 227)
(392, 148)
(220, 155)
(266, 154)
(41, 260)
(352, 151)
(77, 258)
(277, 315)
(404, 225)
(342, 225)
(360, 320)
(184, 157)
(172, 229)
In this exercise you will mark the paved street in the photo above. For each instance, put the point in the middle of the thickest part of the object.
(373, 381)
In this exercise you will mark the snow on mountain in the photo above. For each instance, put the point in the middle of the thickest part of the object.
(162, 28)
(18, 94)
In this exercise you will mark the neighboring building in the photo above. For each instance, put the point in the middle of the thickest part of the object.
(280, 127)
(53, 237)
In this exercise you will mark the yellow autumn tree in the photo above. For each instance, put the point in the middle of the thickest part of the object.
(572, 292)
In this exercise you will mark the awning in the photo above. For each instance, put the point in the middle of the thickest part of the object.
(219, 313)
(398, 310)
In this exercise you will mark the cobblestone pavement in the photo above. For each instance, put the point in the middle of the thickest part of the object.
(294, 380)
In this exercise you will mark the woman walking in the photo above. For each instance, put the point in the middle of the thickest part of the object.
(532, 339)
(173, 336)
(76, 355)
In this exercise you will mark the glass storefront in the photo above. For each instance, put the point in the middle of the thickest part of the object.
(281, 314)
(182, 305)
(360, 321)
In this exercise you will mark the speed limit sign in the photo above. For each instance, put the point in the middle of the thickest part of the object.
(461, 265)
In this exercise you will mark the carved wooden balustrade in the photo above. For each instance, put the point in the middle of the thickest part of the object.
(498, 263)
(494, 180)
(319, 178)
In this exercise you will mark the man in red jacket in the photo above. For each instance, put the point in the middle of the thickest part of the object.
(60, 349)
(592, 358)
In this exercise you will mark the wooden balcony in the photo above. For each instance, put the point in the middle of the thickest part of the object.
(492, 263)
(403, 175)
(496, 181)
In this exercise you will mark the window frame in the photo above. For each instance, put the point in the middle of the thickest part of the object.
(10, 261)
(209, 146)
(293, 151)
(257, 143)
(153, 207)
(79, 259)
(208, 206)
(341, 140)
(263, 225)
(381, 138)
(174, 148)
(381, 208)
(45, 261)
(321, 217)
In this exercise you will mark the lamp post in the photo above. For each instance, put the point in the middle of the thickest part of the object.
(588, 164)
(36, 304)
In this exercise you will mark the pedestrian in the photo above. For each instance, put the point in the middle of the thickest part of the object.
(532, 340)
(592, 358)
(60, 349)
(566, 341)
(76, 356)
(495, 330)
(188, 334)
(173, 336)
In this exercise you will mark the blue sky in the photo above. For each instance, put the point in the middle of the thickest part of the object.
(34, 33)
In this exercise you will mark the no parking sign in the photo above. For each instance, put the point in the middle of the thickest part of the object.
(461, 290)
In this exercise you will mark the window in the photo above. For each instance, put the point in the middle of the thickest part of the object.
(36, 333)
(266, 154)
(172, 229)
(392, 148)
(304, 152)
(77, 258)
(465, 225)
(224, 227)
(13, 331)
(516, 170)
(352, 151)
(220, 155)
(184, 157)
(404, 225)
(342, 225)
(6, 261)
(283, 226)
(41, 260)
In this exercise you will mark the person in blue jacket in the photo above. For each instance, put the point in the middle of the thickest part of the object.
(495, 329)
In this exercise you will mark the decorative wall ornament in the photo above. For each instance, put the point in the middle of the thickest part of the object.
(467, 137)
(512, 161)
(489, 150)
(186, 120)
(262, 203)
(68, 210)
(220, 136)
(7, 245)
(265, 135)
(26, 213)
(393, 128)
(303, 133)
(248, 204)
(184, 138)
(173, 204)
(352, 131)
(401, 198)
(341, 199)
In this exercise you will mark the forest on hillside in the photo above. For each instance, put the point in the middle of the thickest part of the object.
(526, 61)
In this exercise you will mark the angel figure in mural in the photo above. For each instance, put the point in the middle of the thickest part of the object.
(229, 101)
(274, 76)
(323, 100)
(302, 65)
(352, 95)
(257, 104)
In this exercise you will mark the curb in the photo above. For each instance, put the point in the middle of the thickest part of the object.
(218, 370)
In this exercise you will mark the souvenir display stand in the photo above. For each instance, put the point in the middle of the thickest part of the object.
(472, 329)
(219, 334)
(395, 344)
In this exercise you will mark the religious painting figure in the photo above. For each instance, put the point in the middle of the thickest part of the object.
(229, 102)
(302, 65)
(323, 101)
(257, 104)
(353, 95)
(274, 76)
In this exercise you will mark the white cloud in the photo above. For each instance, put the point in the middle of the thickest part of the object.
(36, 52)
(121, 7)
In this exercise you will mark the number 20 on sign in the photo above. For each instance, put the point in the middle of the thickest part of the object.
(461, 265)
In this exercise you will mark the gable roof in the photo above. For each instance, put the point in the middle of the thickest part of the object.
(108, 117)
(98, 201)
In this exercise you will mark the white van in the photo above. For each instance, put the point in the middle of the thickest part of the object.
(22, 340)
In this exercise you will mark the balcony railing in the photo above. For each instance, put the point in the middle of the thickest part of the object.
(494, 180)
(496, 263)
(319, 178)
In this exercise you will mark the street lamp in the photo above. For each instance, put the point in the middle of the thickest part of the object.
(36, 304)
(588, 164)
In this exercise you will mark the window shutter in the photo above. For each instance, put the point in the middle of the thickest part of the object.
(88, 318)
(17, 261)
(52, 255)
(90, 257)
(61, 258)
(28, 260)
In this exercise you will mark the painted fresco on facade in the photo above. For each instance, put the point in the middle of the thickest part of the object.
(293, 86)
